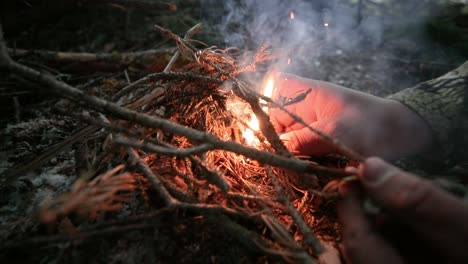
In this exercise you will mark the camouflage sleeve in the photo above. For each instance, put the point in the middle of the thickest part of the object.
(443, 103)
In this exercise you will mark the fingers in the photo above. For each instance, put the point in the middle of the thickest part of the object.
(435, 214)
(290, 87)
(361, 242)
(400, 191)
(306, 142)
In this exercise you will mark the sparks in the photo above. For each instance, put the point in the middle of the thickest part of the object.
(292, 15)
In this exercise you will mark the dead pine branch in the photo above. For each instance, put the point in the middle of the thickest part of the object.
(101, 61)
(188, 35)
(104, 193)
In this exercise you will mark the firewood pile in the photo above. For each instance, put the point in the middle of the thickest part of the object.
(173, 141)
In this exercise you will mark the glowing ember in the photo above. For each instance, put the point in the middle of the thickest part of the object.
(249, 134)
(292, 15)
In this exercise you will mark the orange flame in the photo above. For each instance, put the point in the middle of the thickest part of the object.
(249, 134)
(292, 15)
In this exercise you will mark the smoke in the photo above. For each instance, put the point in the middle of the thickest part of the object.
(246, 23)
(305, 29)
(382, 32)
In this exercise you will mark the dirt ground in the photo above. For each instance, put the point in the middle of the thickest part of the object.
(34, 120)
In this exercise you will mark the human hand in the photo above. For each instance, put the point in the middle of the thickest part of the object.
(437, 218)
(367, 124)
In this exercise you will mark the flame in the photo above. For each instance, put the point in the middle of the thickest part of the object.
(249, 134)
(292, 15)
(326, 24)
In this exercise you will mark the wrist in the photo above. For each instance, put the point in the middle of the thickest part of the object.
(409, 134)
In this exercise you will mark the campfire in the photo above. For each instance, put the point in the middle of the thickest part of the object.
(198, 138)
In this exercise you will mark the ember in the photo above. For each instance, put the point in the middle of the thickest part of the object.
(292, 15)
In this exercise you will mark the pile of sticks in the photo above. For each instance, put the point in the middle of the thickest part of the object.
(176, 137)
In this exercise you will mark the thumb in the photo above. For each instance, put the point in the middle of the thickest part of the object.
(404, 193)
(306, 142)
(434, 213)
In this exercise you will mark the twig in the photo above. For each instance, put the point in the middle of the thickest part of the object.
(309, 237)
(4, 57)
(143, 4)
(155, 182)
(264, 123)
(210, 174)
(190, 33)
(282, 235)
(243, 91)
(167, 76)
(182, 153)
(17, 107)
(86, 57)
(23, 167)
(51, 240)
(186, 49)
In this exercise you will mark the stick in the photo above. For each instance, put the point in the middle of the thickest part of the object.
(155, 182)
(309, 237)
(124, 57)
(164, 75)
(143, 4)
(190, 33)
(181, 153)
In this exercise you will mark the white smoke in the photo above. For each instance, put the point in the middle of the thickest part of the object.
(319, 26)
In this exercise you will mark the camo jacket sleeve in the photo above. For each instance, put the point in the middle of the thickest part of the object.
(443, 103)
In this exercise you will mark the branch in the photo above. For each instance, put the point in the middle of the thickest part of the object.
(4, 57)
(181, 153)
(155, 182)
(190, 33)
(308, 234)
(125, 57)
(167, 76)
(143, 4)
